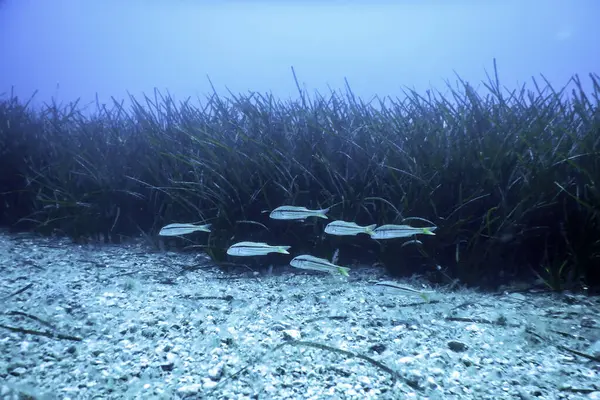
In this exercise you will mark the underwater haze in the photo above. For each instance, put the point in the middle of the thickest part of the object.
(69, 49)
(357, 200)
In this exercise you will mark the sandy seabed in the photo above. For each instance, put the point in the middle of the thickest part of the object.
(128, 322)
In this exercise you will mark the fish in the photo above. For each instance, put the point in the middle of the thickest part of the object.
(249, 249)
(182, 229)
(343, 228)
(294, 212)
(307, 261)
(400, 231)
(402, 289)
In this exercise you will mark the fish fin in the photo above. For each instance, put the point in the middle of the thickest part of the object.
(322, 213)
(284, 249)
(206, 228)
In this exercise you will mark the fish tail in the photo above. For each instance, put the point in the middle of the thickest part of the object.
(343, 270)
(323, 213)
(369, 229)
(428, 231)
(284, 249)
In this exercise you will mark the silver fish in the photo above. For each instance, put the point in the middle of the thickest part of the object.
(248, 249)
(400, 231)
(182, 229)
(343, 228)
(306, 261)
(294, 212)
(401, 289)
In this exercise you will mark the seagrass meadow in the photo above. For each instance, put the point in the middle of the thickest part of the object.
(509, 177)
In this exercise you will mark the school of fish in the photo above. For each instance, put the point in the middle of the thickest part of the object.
(307, 261)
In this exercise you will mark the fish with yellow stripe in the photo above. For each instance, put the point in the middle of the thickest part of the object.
(400, 231)
(178, 229)
(297, 213)
(249, 249)
(309, 262)
(345, 228)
